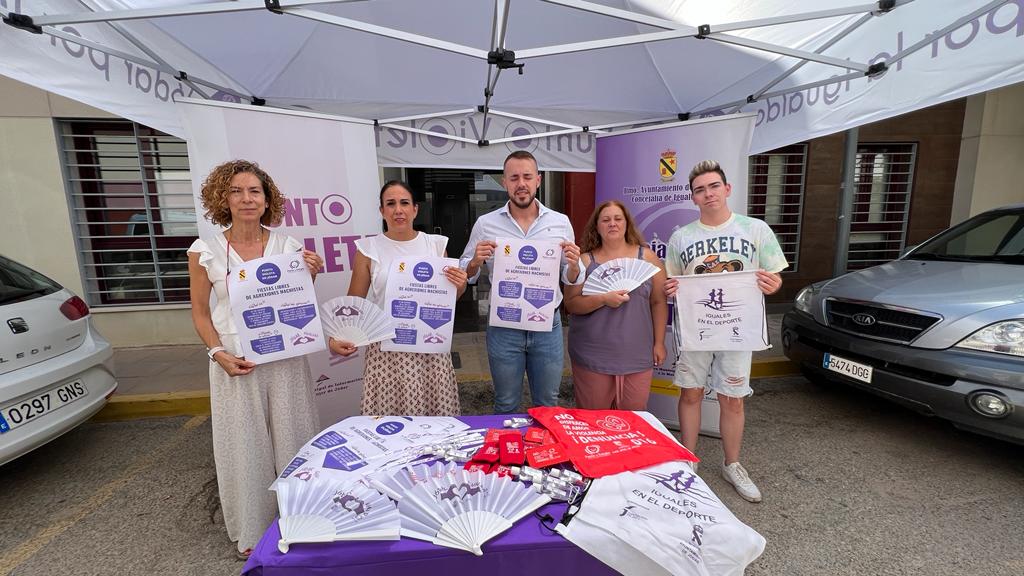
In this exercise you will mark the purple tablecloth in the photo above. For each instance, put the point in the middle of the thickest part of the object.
(528, 548)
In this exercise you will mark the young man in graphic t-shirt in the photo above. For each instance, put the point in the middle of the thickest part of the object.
(720, 241)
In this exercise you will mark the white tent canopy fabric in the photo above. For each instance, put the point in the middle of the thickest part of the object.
(805, 68)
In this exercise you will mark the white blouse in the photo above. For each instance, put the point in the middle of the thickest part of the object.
(381, 250)
(214, 257)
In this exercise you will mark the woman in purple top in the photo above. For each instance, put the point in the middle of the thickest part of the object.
(615, 338)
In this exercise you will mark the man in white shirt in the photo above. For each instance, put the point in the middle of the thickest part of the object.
(512, 352)
(717, 242)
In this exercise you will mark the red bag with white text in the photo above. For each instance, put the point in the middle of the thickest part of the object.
(604, 442)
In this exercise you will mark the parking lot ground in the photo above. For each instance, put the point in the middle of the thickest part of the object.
(852, 486)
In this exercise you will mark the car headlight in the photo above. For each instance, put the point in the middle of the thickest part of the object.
(804, 299)
(1002, 337)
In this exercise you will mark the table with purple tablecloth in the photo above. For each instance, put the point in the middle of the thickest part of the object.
(528, 548)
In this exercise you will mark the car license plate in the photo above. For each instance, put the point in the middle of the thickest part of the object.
(849, 368)
(27, 410)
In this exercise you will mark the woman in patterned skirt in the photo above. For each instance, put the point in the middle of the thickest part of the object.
(401, 383)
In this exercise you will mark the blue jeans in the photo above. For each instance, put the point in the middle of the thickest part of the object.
(512, 352)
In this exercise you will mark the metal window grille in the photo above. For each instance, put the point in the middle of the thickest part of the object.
(130, 194)
(881, 202)
(776, 195)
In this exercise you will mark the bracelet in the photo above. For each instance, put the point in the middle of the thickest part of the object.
(212, 351)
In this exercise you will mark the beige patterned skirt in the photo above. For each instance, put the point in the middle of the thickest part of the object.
(409, 384)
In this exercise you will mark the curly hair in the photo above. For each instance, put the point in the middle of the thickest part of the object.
(217, 184)
(591, 240)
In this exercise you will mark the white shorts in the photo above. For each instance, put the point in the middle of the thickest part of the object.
(729, 372)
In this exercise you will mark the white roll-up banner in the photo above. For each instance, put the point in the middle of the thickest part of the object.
(327, 170)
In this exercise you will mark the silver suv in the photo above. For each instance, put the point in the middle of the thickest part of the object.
(940, 330)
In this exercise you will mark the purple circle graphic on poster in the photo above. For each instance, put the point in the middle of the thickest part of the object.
(268, 273)
(527, 255)
(390, 428)
(423, 271)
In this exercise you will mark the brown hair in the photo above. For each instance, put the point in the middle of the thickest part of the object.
(217, 184)
(521, 155)
(591, 240)
(704, 167)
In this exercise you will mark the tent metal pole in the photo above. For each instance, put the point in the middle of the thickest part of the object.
(428, 133)
(817, 15)
(189, 10)
(421, 116)
(152, 54)
(388, 32)
(619, 13)
(802, 54)
(499, 27)
(605, 43)
(50, 31)
(741, 103)
(634, 123)
(537, 120)
(843, 34)
(929, 38)
(845, 209)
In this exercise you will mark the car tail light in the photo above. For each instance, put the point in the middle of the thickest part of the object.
(74, 308)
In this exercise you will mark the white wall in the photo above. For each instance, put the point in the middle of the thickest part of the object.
(990, 172)
(37, 229)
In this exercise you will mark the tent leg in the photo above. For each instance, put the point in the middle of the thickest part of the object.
(845, 211)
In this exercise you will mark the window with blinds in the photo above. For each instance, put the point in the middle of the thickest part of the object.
(776, 195)
(881, 203)
(130, 195)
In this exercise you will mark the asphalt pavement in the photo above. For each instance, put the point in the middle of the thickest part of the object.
(852, 486)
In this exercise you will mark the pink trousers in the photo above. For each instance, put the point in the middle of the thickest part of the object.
(595, 391)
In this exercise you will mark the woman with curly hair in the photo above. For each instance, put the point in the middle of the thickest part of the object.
(616, 338)
(261, 414)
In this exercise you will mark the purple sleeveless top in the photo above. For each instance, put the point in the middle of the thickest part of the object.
(615, 340)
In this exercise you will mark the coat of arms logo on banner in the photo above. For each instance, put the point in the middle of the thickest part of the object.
(667, 165)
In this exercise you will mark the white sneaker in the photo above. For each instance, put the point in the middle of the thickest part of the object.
(736, 475)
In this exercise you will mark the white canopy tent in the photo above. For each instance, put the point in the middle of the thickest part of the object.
(554, 66)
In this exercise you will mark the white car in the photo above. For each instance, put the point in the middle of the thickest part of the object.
(55, 368)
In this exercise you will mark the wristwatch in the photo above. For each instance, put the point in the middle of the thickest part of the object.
(212, 351)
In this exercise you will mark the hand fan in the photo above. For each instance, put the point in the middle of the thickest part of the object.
(618, 274)
(356, 320)
(326, 510)
(463, 510)
(395, 483)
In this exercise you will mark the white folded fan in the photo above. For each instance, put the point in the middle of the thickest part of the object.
(396, 483)
(356, 320)
(465, 509)
(327, 510)
(618, 274)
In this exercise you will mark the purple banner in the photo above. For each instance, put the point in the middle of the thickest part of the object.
(298, 316)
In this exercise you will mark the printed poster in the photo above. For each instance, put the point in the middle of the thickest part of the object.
(420, 301)
(274, 308)
(359, 445)
(723, 311)
(525, 281)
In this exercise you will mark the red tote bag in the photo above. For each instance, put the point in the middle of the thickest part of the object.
(604, 442)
